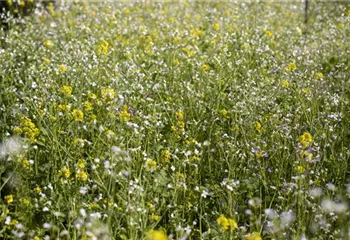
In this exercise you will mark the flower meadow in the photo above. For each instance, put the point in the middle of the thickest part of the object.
(176, 120)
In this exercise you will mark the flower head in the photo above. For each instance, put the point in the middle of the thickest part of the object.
(156, 235)
(78, 115)
(66, 90)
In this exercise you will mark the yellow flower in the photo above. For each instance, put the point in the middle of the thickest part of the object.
(79, 141)
(205, 67)
(284, 83)
(9, 199)
(65, 172)
(155, 217)
(107, 93)
(223, 113)
(306, 139)
(48, 43)
(307, 155)
(9, 3)
(253, 236)
(226, 223)
(29, 129)
(300, 169)
(291, 67)
(63, 107)
(151, 165)
(92, 96)
(13, 222)
(81, 175)
(78, 115)
(81, 164)
(232, 223)
(165, 156)
(268, 33)
(25, 201)
(216, 26)
(258, 126)
(319, 75)
(37, 189)
(87, 106)
(66, 90)
(17, 131)
(124, 114)
(156, 235)
(22, 4)
(62, 68)
(180, 116)
(103, 48)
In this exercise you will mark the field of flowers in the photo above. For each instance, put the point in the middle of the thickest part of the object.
(186, 120)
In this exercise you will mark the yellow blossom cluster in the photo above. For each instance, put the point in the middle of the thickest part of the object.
(151, 165)
(291, 67)
(66, 90)
(156, 235)
(29, 129)
(180, 123)
(107, 94)
(103, 48)
(64, 172)
(253, 236)
(165, 156)
(124, 114)
(226, 223)
(78, 115)
(305, 139)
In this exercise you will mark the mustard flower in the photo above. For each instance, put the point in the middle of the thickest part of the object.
(223, 113)
(124, 114)
(81, 175)
(78, 115)
(268, 33)
(102, 48)
(165, 156)
(37, 189)
(66, 90)
(305, 139)
(156, 235)
(284, 83)
(29, 129)
(258, 126)
(81, 163)
(216, 26)
(17, 131)
(63, 107)
(25, 201)
(226, 223)
(62, 68)
(87, 106)
(205, 67)
(9, 199)
(319, 75)
(151, 165)
(107, 93)
(291, 67)
(48, 43)
(65, 172)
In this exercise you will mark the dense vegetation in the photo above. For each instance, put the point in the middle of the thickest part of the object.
(185, 120)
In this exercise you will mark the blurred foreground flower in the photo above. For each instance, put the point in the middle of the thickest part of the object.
(156, 235)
